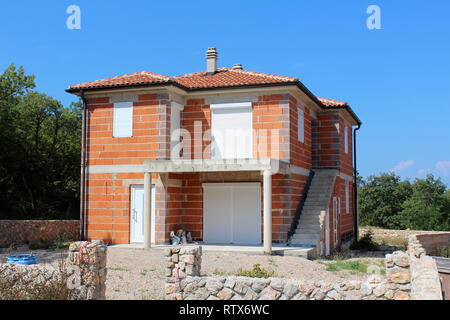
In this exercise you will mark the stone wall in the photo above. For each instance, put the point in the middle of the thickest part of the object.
(396, 234)
(13, 232)
(432, 242)
(81, 276)
(426, 283)
(185, 283)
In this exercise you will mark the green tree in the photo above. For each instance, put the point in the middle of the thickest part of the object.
(381, 198)
(40, 158)
(427, 207)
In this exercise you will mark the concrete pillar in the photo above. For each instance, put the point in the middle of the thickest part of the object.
(267, 208)
(147, 209)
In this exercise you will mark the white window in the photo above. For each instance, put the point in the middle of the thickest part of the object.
(301, 125)
(346, 139)
(232, 130)
(123, 119)
(175, 125)
(347, 197)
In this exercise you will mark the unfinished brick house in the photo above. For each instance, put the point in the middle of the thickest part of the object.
(230, 155)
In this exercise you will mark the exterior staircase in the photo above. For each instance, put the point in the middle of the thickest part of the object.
(317, 199)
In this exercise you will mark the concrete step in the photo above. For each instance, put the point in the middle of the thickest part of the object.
(312, 228)
(303, 242)
(306, 251)
(306, 236)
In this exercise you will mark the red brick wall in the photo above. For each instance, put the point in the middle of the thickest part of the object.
(271, 122)
(346, 159)
(179, 201)
(104, 149)
(197, 112)
(108, 198)
(326, 141)
(329, 144)
(345, 221)
(301, 152)
(287, 191)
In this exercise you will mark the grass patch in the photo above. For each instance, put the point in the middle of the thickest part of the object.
(256, 272)
(392, 241)
(118, 269)
(354, 266)
(220, 273)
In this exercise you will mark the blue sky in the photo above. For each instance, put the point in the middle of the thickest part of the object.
(396, 79)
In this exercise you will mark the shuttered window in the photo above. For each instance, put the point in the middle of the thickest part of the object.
(123, 119)
(346, 139)
(301, 125)
(232, 130)
(347, 197)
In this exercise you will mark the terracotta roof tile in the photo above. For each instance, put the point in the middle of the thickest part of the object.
(228, 77)
(332, 103)
(143, 77)
(224, 77)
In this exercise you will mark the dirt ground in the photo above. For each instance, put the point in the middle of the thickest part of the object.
(139, 274)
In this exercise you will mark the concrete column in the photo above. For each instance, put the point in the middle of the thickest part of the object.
(267, 208)
(147, 210)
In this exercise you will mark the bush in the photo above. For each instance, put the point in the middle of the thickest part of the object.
(62, 242)
(256, 272)
(444, 251)
(365, 243)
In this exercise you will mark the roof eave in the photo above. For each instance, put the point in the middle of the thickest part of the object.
(350, 111)
(128, 86)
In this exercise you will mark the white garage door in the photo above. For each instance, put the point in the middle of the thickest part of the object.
(232, 213)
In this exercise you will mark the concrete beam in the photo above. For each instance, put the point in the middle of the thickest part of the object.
(267, 211)
(147, 210)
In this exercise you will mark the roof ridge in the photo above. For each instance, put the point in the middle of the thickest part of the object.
(262, 74)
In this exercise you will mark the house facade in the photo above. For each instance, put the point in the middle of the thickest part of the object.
(230, 155)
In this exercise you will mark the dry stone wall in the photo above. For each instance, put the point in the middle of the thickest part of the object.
(184, 282)
(81, 276)
(31, 231)
(426, 284)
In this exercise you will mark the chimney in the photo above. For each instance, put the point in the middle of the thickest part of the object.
(211, 60)
(238, 66)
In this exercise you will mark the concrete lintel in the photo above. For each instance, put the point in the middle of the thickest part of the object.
(161, 166)
(215, 165)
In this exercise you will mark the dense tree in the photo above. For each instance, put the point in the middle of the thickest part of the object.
(388, 202)
(40, 148)
(381, 198)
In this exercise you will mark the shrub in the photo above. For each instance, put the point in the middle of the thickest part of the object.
(365, 243)
(62, 242)
(256, 272)
(444, 251)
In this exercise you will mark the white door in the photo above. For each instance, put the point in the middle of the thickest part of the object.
(336, 205)
(231, 130)
(137, 214)
(232, 213)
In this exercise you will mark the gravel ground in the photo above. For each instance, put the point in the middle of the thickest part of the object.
(139, 274)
